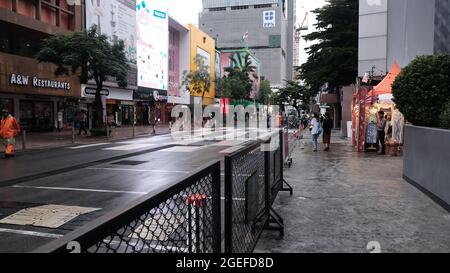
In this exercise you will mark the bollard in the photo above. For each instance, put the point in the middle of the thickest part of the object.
(24, 140)
(107, 131)
(196, 227)
(73, 133)
(134, 130)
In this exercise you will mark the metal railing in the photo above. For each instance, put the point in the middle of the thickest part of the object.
(183, 217)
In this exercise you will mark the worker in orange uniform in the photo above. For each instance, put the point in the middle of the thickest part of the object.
(9, 128)
(279, 120)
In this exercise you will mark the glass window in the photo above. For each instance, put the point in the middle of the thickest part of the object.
(7, 104)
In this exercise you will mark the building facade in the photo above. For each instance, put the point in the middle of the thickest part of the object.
(30, 90)
(201, 44)
(266, 27)
(400, 30)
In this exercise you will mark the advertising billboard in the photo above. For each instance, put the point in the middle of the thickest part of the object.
(116, 19)
(152, 44)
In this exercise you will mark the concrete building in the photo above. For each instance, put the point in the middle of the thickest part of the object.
(270, 28)
(30, 90)
(400, 30)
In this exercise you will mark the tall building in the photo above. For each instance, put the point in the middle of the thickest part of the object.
(30, 90)
(266, 27)
(400, 30)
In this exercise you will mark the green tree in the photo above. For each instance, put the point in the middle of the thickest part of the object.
(294, 94)
(237, 84)
(198, 82)
(265, 94)
(92, 56)
(333, 59)
(422, 90)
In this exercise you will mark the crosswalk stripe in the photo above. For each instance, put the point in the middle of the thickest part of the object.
(31, 233)
(79, 189)
(87, 146)
(129, 147)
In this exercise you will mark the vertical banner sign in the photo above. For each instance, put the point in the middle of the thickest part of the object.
(152, 44)
(117, 20)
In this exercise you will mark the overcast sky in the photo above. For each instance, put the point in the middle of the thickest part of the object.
(186, 11)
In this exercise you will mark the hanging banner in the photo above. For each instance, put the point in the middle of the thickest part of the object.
(117, 20)
(152, 44)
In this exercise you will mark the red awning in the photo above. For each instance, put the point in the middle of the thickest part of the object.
(385, 86)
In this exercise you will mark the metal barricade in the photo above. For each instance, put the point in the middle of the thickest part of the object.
(253, 179)
(183, 217)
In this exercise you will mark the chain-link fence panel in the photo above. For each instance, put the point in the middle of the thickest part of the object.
(183, 218)
(245, 215)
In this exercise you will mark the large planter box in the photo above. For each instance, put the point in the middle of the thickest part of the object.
(427, 161)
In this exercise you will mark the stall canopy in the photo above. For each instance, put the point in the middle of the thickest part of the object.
(385, 86)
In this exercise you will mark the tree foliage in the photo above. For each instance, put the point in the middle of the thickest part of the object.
(237, 84)
(198, 82)
(333, 59)
(265, 94)
(294, 94)
(90, 54)
(422, 90)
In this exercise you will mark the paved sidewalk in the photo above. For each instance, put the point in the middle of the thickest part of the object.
(344, 200)
(64, 138)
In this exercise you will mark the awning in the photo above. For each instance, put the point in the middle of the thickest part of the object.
(385, 86)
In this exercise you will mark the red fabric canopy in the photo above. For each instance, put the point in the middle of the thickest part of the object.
(385, 86)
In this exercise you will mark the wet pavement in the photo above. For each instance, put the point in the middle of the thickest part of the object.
(344, 200)
(105, 176)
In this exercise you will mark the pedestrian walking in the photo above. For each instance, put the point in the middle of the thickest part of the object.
(381, 134)
(82, 120)
(315, 131)
(327, 127)
(9, 129)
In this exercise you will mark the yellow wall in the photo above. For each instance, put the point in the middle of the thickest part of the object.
(199, 39)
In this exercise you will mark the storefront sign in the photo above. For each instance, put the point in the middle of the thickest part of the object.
(24, 80)
(92, 91)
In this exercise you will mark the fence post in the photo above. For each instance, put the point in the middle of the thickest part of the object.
(24, 140)
(288, 187)
(217, 213)
(228, 205)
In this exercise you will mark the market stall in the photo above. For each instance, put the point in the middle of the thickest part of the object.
(366, 106)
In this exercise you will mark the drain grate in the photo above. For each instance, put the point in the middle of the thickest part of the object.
(130, 163)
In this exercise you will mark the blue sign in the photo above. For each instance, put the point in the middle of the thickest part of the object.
(159, 14)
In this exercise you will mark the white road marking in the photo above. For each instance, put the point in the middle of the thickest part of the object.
(231, 150)
(79, 189)
(229, 143)
(48, 216)
(31, 233)
(87, 146)
(136, 170)
(129, 147)
(181, 149)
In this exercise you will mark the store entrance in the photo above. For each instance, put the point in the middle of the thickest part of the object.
(37, 116)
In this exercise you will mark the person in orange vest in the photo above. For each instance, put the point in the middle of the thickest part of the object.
(9, 128)
(279, 120)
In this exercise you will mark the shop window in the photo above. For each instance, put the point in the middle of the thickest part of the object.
(7, 104)
(36, 116)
